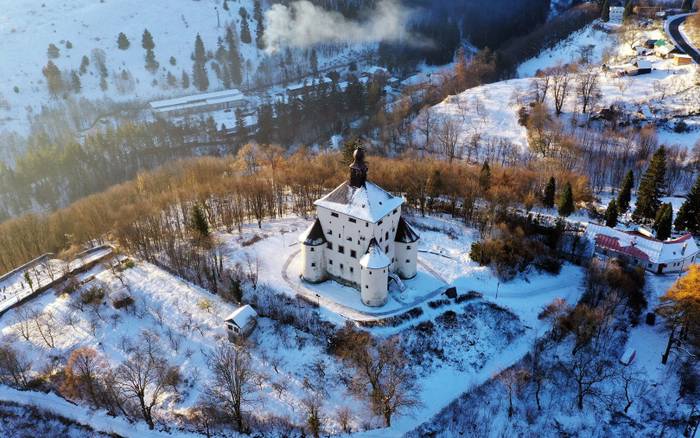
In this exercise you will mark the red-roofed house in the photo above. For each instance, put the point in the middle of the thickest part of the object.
(673, 255)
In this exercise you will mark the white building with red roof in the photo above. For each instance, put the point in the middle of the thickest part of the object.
(359, 238)
(638, 249)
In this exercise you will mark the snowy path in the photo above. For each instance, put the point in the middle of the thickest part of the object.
(98, 420)
(349, 312)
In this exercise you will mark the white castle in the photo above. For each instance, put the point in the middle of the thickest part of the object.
(359, 238)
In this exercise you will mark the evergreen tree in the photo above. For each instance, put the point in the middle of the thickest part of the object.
(625, 195)
(664, 222)
(185, 80)
(629, 7)
(122, 41)
(245, 28)
(147, 40)
(103, 83)
(605, 11)
(172, 80)
(29, 281)
(75, 82)
(241, 130)
(234, 57)
(566, 201)
(313, 62)
(53, 78)
(172, 61)
(260, 33)
(151, 63)
(611, 214)
(688, 218)
(651, 188)
(687, 5)
(485, 177)
(199, 221)
(200, 78)
(84, 63)
(549, 192)
(53, 52)
(225, 5)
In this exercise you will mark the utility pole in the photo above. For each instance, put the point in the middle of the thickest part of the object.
(218, 22)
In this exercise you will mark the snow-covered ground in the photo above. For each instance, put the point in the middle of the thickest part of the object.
(492, 110)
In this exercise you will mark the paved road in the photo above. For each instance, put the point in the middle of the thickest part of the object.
(674, 24)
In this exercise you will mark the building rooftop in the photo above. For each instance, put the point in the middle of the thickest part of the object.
(375, 257)
(197, 100)
(404, 232)
(642, 247)
(313, 236)
(242, 316)
(369, 203)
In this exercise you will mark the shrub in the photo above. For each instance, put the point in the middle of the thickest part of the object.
(93, 295)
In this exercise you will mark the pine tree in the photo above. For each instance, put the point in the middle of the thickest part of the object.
(566, 201)
(172, 80)
(200, 77)
(611, 214)
(651, 188)
(151, 63)
(688, 218)
(241, 130)
(53, 52)
(629, 7)
(53, 78)
(664, 222)
(147, 40)
(84, 63)
(245, 28)
(605, 11)
(625, 195)
(260, 35)
(103, 83)
(234, 57)
(122, 41)
(225, 5)
(199, 221)
(687, 5)
(313, 62)
(75, 81)
(185, 80)
(485, 177)
(549, 192)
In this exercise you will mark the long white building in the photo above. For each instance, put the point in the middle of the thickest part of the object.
(359, 238)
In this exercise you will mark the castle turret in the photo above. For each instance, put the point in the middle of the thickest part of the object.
(374, 277)
(406, 249)
(358, 169)
(313, 243)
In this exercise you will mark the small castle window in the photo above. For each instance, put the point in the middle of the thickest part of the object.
(341, 249)
(330, 232)
(408, 247)
(341, 266)
(370, 272)
(386, 235)
(353, 254)
(352, 269)
(386, 250)
(366, 224)
(394, 212)
(311, 249)
(366, 286)
(352, 219)
(330, 262)
(408, 261)
(380, 222)
(313, 265)
(334, 214)
(329, 245)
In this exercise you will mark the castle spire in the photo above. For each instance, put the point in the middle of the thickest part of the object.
(358, 169)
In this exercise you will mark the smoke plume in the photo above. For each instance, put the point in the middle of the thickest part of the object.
(301, 24)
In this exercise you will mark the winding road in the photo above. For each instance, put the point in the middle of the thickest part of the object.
(673, 29)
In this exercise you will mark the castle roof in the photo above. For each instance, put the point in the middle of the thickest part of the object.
(375, 257)
(643, 247)
(404, 232)
(313, 236)
(368, 202)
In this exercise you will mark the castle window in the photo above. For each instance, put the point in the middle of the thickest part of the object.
(334, 214)
(366, 286)
(408, 247)
(349, 239)
(341, 266)
(352, 269)
(313, 265)
(330, 262)
(386, 250)
(386, 235)
(395, 210)
(366, 224)
(370, 272)
(330, 232)
(408, 261)
(329, 245)
(311, 249)
(380, 222)
(353, 220)
(341, 249)
(353, 253)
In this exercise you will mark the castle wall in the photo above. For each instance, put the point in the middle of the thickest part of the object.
(406, 259)
(375, 291)
(314, 266)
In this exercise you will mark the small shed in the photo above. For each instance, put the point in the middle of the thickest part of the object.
(241, 322)
(640, 67)
(682, 59)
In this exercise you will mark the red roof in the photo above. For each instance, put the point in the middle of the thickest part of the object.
(613, 244)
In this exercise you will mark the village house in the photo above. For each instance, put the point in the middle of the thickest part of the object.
(360, 238)
(638, 249)
(241, 322)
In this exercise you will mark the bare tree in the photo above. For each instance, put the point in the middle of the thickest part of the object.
(252, 270)
(425, 122)
(588, 88)
(84, 371)
(46, 325)
(540, 86)
(447, 134)
(234, 383)
(561, 81)
(14, 367)
(142, 379)
(24, 320)
(513, 379)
